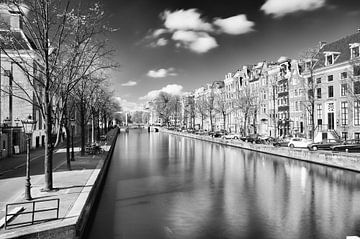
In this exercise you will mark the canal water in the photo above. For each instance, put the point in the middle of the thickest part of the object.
(166, 186)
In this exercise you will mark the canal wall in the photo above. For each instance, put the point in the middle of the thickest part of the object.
(88, 211)
(348, 161)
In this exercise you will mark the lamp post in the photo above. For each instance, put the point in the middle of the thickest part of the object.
(72, 123)
(7, 126)
(28, 125)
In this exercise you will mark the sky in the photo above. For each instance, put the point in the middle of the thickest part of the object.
(178, 46)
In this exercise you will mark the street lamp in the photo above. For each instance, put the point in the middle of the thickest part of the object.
(72, 123)
(28, 125)
(7, 122)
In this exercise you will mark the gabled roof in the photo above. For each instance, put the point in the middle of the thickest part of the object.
(341, 46)
(13, 40)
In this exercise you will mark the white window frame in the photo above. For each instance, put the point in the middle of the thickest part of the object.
(334, 56)
(352, 46)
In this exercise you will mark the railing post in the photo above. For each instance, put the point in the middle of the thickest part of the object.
(33, 213)
(58, 207)
(6, 215)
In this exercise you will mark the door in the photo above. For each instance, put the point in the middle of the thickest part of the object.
(331, 120)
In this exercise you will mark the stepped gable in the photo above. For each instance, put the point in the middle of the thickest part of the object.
(342, 46)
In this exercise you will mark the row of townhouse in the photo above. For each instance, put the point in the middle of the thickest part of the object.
(317, 96)
(14, 86)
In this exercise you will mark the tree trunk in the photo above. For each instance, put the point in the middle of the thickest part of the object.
(312, 120)
(68, 143)
(82, 126)
(48, 146)
(245, 124)
(224, 118)
(202, 121)
(98, 126)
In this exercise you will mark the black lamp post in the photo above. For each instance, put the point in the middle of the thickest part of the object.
(28, 125)
(72, 123)
(7, 126)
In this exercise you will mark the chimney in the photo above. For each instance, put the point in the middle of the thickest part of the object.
(322, 44)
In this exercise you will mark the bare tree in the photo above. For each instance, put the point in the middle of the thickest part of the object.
(310, 85)
(210, 106)
(201, 109)
(162, 106)
(221, 105)
(245, 103)
(59, 49)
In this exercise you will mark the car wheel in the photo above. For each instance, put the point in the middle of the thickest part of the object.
(291, 146)
(236, 137)
(314, 148)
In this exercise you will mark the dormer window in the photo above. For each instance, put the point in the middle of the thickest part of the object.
(330, 57)
(355, 50)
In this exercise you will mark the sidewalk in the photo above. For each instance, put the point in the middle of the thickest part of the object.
(72, 188)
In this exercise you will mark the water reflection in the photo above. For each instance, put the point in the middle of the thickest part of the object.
(164, 186)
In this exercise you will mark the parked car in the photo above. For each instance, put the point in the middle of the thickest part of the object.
(281, 142)
(265, 139)
(252, 138)
(325, 144)
(299, 142)
(218, 134)
(190, 130)
(231, 136)
(201, 132)
(352, 145)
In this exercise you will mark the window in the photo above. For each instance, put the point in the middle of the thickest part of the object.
(344, 113)
(343, 75)
(344, 135)
(330, 77)
(319, 111)
(296, 93)
(296, 106)
(354, 52)
(329, 59)
(318, 93)
(311, 94)
(318, 80)
(331, 91)
(343, 89)
(357, 135)
(357, 87)
(356, 113)
(357, 70)
(310, 80)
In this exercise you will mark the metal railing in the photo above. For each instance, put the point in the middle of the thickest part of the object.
(32, 211)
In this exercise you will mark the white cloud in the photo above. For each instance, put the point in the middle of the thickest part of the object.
(187, 29)
(128, 105)
(129, 83)
(162, 42)
(199, 42)
(235, 25)
(279, 8)
(185, 20)
(162, 73)
(159, 32)
(172, 89)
